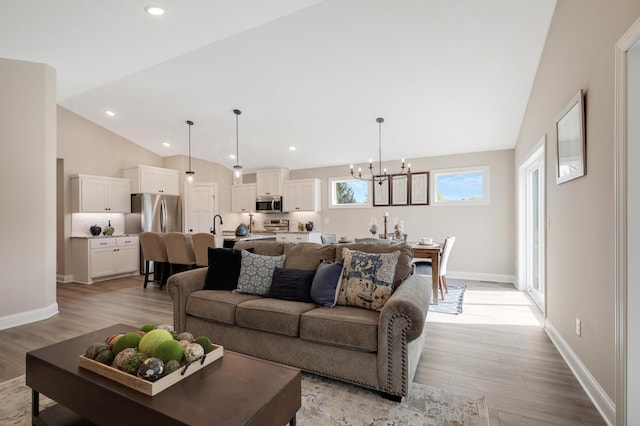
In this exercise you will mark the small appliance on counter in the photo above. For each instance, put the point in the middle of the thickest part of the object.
(272, 225)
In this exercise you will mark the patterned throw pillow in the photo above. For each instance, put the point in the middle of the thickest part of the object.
(256, 273)
(367, 279)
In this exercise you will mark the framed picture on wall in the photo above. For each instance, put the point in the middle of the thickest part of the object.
(419, 190)
(380, 193)
(570, 148)
(399, 190)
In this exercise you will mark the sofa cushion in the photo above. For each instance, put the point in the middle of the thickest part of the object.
(292, 284)
(403, 268)
(224, 268)
(325, 283)
(367, 279)
(267, 248)
(216, 305)
(272, 315)
(256, 273)
(308, 255)
(344, 326)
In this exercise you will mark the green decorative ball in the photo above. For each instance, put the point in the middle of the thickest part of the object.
(166, 351)
(129, 340)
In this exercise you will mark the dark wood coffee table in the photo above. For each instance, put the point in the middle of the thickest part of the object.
(234, 390)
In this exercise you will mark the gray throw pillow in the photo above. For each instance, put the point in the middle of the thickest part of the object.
(256, 273)
(325, 283)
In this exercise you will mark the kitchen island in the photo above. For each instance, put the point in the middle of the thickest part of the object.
(230, 239)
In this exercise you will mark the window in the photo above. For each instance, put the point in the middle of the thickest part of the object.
(467, 186)
(349, 193)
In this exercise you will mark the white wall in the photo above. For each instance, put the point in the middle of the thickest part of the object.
(579, 54)
(485, 238)
(28, 152)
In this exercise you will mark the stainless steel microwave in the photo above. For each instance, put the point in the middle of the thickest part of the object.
(269, 204)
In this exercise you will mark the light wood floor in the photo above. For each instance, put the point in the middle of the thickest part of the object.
(496, 348)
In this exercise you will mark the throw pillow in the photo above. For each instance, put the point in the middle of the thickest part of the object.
(325, 283)
(367, 279)
(256, 273)
(292, 284)
(224, 269)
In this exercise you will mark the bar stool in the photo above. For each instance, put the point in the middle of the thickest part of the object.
(201, 243)
(179, 251)
(153, 250)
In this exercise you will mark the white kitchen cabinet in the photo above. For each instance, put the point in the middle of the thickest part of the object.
(302, 195)
(299, 237)
(153, 180)
(95, 259)
(100, 194)
(243, 198)
(271, 182)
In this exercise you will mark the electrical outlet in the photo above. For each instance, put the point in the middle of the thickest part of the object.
(578, 327)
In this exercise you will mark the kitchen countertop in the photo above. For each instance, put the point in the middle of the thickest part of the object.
(262, 236)
(295, 232)
(91, 237)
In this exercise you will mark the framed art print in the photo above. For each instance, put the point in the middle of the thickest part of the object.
(399, 190)
(419, 189)
(570, 146)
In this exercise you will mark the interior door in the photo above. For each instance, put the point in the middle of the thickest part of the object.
(200, 206)
(534, 245)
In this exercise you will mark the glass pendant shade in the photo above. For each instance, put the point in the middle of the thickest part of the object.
(237, 174)
(237, 169)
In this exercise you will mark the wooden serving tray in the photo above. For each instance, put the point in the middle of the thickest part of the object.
(145, 386)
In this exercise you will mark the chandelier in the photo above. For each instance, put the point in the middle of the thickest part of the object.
(382, 175)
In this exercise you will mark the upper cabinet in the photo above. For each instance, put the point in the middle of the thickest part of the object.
(153, 180)
(99, 194)
(302, 195)
(271, 182)
(243, 198)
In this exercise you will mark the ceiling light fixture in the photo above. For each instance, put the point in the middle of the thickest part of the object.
(110, 113)
(190, 172)
(237, 169)
(166, 144)
(382, 176)
(292, 148)
(154, 10)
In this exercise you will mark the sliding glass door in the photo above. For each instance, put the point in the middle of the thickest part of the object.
(534, 228)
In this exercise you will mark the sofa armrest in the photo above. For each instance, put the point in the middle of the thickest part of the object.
(401, 321)
(179, 287)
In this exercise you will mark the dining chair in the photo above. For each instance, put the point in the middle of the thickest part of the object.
(328, 238)
(201, 243)
(153, 250)
(423, 267)
(179, 251)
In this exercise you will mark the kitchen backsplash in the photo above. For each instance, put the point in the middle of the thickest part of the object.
(81, 222)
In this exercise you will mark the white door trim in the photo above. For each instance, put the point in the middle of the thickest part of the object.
(628, 40)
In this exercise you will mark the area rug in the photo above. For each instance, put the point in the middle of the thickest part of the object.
(324, 402)
(452, 303)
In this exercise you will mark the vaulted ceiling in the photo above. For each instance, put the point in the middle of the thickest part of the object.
(448, 76)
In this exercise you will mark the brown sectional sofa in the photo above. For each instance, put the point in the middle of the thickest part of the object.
(377, 350)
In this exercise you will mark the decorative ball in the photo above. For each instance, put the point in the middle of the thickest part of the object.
(105, 357)
(129, 340)
(151, 369)
(123, 356)
(185, 335)
(169, 350)
(184, 344)
(164, 327)
(147, 327)
(93, 350)
(152, 339)
(193, 351)
(171, 366)
(133, 363)
(111, 340)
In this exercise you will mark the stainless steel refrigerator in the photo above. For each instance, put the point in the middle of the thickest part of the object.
(153, 213)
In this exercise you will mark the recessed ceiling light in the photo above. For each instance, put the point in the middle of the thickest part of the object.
(233, 156)
(110, 113)
(167, 144)
(154, 10)
(292, 148)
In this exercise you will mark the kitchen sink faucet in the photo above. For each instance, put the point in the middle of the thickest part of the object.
(213, 230)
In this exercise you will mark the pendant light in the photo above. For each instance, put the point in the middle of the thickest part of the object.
(190, 172)
(237, 169)
(382, 175)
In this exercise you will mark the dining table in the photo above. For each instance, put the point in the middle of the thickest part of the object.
(430, 251)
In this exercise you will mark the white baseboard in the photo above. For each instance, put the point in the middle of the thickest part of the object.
(598, 396)
(28, 316)
(64, 278)
(478, 276)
